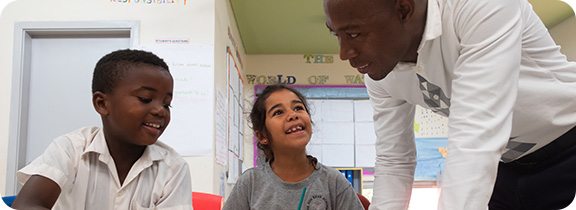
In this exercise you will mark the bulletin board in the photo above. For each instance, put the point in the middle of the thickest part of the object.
(431, 132)
(235, 117)
(333, 142)
(353, 145)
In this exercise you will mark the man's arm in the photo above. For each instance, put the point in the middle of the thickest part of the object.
(38, 193)
(395, 149)
(484, 90)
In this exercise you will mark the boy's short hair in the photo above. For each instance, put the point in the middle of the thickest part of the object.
(112, 67)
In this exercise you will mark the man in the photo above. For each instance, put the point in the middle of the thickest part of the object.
(491, 67)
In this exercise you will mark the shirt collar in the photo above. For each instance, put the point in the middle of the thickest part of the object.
(433, 28)
(98, 145)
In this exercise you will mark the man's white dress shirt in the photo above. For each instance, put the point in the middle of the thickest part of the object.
(501, 80)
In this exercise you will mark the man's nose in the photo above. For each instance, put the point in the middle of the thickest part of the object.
(346, 50)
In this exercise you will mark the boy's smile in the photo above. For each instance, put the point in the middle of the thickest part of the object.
(155, 129)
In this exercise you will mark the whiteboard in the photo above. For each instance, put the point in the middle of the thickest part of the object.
(316, 151)
(365, 155)
(336, 132)
(190, 131)
(338, 155)
(365, 133)
(363, 111)
(337, 110)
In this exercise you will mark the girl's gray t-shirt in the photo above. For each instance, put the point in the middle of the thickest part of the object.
(325, 189)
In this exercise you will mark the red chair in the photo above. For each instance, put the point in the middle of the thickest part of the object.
(365, 202)
(205, 201)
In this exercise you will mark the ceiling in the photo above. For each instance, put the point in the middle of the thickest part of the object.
(298, 26)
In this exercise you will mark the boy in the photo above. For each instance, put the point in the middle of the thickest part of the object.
(121, 165)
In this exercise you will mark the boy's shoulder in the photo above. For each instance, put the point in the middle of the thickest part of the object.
(167, 154)
(78, 139)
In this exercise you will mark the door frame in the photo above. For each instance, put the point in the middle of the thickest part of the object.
(24, 32)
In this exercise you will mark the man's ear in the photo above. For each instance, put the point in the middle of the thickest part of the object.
(100, 103)
(405, 9)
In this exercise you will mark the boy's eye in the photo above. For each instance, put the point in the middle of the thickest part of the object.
(144, 100)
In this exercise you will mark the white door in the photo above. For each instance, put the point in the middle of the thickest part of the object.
(60, 86)
(51, 91)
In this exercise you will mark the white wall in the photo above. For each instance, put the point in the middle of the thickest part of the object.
(565, 35)
(339, 72)
(227, 35)
(193, 21)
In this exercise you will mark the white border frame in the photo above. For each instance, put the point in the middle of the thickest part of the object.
(23, 34)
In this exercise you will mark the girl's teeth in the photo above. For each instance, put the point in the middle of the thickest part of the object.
(294, 129)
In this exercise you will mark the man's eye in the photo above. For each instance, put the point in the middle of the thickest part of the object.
(353, 35)
(167, 106)
(144, 100)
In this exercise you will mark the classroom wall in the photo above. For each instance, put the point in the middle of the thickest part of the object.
(309, 69)
(185, 19)
(563, 34)
(227, 36)
(205, 22)
(328, 69)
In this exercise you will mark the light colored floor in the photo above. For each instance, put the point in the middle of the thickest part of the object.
(424, 198)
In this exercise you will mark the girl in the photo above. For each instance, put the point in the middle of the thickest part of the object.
(290, 179)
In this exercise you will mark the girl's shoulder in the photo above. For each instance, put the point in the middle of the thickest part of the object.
(327, 171)
(331, 175)
(252, 174)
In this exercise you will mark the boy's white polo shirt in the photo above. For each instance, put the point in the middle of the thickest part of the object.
(80, 163)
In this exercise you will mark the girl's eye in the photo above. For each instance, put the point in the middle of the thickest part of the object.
(277, 112)
(299, 108)
(144, 100)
